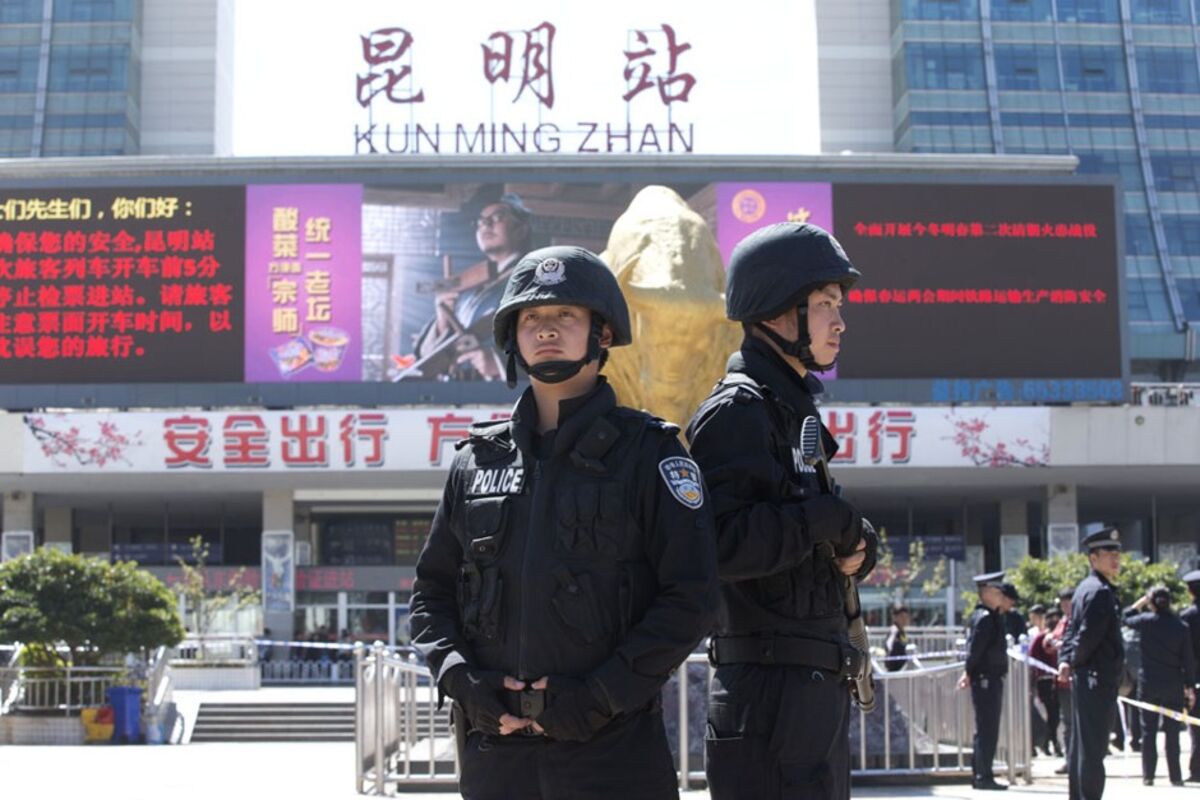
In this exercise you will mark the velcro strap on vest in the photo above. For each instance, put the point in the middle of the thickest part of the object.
(594, 444)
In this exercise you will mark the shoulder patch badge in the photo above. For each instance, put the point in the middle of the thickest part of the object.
(682, 477)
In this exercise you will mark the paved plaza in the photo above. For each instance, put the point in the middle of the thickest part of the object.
(326, 772)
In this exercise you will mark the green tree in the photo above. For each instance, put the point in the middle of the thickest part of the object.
(1040, 580)
(204, 602)
(902, 576)
(92, 608)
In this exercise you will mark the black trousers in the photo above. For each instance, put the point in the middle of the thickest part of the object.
(1170, 729)
(1094, 705)
(987, 696)
(778, 733)
(1194, 761)
(1049, 697)
(629, 759)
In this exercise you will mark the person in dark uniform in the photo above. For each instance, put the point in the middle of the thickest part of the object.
(1165, 678)
(571, 564)
(1191, 617)
(1062, 682)
(897, 639)
(986, 666)
(779, 710)
(1092, 655)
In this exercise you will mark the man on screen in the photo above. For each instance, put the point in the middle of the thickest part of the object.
(460, 331)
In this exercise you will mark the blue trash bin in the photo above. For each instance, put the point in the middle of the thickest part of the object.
(127, 713)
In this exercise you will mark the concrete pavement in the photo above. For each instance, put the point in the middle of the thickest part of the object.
(326, 772)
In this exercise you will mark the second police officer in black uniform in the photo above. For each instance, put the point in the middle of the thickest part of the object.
(1092, 655)
(1191, 617)
(571, 566)
(780, 706)
(1165, 677)
(986, 666)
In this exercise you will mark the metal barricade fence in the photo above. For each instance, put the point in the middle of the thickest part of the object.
(922, 725)
(52, 689)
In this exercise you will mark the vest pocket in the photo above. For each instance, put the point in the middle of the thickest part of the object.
(577, 608)
(591, 519)
(480, 587)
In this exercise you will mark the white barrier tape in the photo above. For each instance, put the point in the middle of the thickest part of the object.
(1031, 661)
(909, 673)
(1178, 716)
(911, 656)
(314, 645)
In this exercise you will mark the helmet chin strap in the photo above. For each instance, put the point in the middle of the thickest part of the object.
(554, 371)
(801, 348)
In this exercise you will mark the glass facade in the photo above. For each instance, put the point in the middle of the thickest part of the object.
(69, 85)
(1114, 82)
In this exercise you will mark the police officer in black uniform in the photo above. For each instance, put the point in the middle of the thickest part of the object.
(1191, 617)
(1166, 676)
(571, 564)
(986, 666)
(1093, 654)
(780, 705)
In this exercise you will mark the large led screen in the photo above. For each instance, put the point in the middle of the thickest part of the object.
(990, 292)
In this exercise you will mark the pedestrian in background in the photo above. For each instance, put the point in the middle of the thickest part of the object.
(1166, 677)
(1092, 655)
(1062, 682)
(1191, 617)
(986, 666)
(897, 639)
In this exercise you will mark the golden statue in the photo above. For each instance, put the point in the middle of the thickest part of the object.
(669, 267)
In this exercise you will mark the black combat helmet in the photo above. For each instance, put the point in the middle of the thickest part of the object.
(775, 269)
(569, 276)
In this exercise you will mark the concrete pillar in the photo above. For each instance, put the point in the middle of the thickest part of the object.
(278, 514)
(18, 511)
(1014, 532)
(1062, 519)
(1061, 504)
(58, 528)
(18, 524)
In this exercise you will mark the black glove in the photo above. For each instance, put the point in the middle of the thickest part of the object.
(478, 692)
(573, 714)
(829, 518)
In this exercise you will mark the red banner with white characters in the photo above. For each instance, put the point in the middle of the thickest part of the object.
(364, 440)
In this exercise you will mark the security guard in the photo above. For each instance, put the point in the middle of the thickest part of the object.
(780, 705)
(1191, 616)
(986, 666)
(1092, 654)
(571, 563)
(1165, 678)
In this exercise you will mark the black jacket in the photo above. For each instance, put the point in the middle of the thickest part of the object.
(586, 553)
(1191, 618)
(1093, 638)
(746, 438)
(1168, 664)
(987, 648)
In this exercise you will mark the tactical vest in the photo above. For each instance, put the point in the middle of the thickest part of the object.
(554, 569)
(812, 589)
